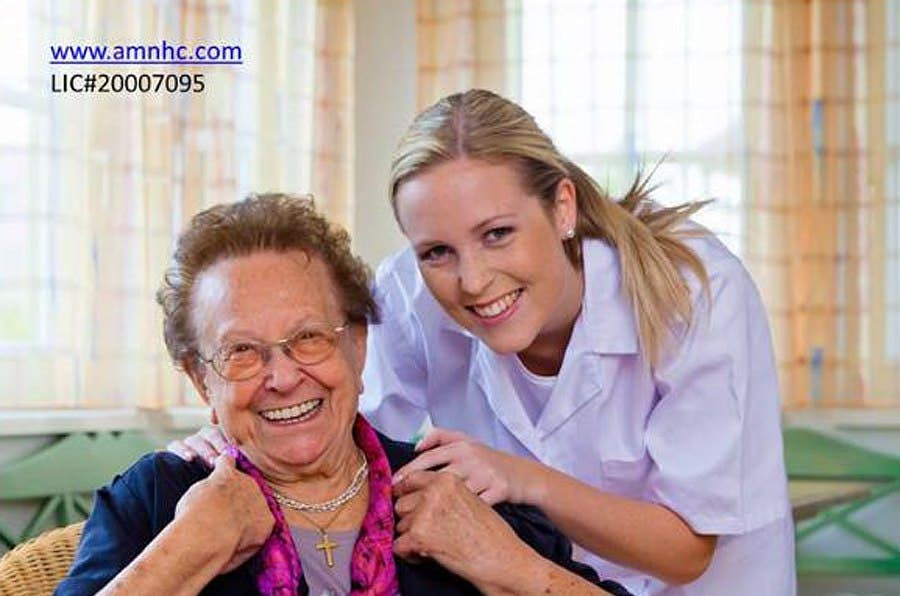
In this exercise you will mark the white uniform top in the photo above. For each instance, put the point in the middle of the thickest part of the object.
(700, 434)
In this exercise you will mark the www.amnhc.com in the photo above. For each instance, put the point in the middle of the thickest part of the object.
(161, 54)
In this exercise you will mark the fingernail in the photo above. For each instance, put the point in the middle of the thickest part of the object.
(396, 479)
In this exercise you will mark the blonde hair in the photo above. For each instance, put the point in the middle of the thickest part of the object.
(480, 124)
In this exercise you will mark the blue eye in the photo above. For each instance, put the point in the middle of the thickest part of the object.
(434, 254)
(497, 234)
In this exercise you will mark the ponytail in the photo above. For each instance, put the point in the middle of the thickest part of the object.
(652, 253)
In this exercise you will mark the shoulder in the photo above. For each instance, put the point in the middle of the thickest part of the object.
(533, 528)
(167, 464)
(531, 524)
(715, 255)
(151, 487)
(413, 326)
(127, 514)
(731, 286)
(397, 276)
(399, 453)
(397, 290)
(400, 265)
(159, 477)
(163, 466)
(729, 318)
(602, 260)
(401, 293)
(729, 283)
(528, 515)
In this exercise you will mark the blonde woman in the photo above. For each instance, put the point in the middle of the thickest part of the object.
(608, 362)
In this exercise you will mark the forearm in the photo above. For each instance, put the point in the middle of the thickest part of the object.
(633, 533)
(529, 573)
(175, 562)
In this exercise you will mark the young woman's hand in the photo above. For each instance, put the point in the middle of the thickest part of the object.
(492, 475)
(207, 443)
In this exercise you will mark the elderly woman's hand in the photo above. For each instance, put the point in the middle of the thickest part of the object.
(231, 508)
(219, 523)
(441, 519)
(207, 443)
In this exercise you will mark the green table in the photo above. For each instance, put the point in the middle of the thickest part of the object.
(811, 497)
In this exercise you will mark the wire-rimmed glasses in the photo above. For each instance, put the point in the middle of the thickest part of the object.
(244, 359)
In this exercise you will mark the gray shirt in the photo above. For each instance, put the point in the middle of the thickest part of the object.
(322, 579)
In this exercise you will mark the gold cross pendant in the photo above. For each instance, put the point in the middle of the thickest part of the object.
(327, 546)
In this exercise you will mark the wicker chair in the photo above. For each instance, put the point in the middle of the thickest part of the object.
(37, 566)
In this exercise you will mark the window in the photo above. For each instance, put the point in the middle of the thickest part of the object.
(622, 85)
(788, 115)
(96, 186)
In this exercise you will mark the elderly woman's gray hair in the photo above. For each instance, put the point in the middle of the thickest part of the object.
(278, 222)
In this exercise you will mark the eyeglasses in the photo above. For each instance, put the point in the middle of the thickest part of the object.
(243, 360)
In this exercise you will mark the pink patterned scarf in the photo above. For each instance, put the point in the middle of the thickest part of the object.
(372, 570)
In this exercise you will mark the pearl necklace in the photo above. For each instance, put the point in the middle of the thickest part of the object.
(332, 504)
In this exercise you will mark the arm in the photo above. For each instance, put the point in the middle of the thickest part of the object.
(220, 522)
(718, 383)
(633, 533)
(637, 534)
(136, 530)
(181, 560)
(441, 519)
(528, 573)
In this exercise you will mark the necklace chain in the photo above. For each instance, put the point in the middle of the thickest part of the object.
(326, 545)
(334, 504)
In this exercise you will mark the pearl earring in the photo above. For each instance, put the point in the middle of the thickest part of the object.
(570, 234)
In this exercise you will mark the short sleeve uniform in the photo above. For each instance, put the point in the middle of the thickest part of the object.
(699, 433)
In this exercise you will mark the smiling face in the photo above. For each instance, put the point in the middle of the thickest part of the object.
(493, 256)
(290, 417)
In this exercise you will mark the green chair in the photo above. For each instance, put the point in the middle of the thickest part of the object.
(813, 455)
(62, 476)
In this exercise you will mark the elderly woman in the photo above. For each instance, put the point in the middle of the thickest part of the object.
(265, 310)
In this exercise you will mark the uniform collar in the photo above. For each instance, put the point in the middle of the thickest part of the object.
(604, 326)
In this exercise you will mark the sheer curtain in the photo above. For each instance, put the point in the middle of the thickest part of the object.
(333, 92)
(787, 113)
(823, 215)
(463, 44)
(96, 187)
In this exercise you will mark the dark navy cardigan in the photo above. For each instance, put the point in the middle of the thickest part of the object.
(132, 510)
